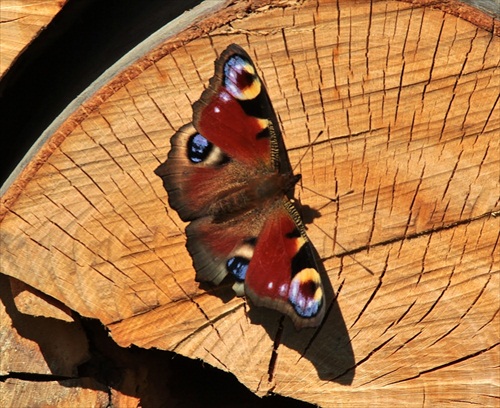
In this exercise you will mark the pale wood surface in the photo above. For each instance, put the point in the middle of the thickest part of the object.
(37, 346)
(40, 357)
(395, 104)
(84, 392)
(21, 21)
(70, 393)
(32, 302)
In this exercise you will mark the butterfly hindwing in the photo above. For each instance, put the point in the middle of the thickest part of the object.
(284, 272)
(219, 248)
(228, 173)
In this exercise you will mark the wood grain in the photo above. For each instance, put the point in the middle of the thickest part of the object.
(392, 109)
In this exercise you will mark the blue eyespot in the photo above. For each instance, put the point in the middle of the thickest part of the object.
(238, 266)
(198, 148)
(240, 78)
(303, 299)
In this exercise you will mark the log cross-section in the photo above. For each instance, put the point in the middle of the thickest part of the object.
(391, 113)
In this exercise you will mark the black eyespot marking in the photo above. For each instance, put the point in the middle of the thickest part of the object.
(224, 159)
(236, 74)
(252, 241)
(302, 260)
(293, 234)
(238, 266)
(259, 107)
(264, 134)
(198, 148)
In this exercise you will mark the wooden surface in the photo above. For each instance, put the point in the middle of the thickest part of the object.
(392, 107)
(21, 22)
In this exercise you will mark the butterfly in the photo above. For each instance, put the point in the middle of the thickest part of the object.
(228, 174)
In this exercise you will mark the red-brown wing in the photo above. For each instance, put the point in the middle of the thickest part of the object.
(268, 254)
(283, 273)
(234, 137)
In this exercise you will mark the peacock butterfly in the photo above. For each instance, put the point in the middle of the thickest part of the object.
(229, 175)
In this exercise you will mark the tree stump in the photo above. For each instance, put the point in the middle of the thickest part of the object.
(391, 107)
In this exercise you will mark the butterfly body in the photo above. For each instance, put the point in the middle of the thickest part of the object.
(228, 174)
(258, 192)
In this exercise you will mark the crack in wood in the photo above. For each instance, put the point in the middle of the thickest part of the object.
(441, 294)
(204, 326)
(446, 365)
(452, 175)
(399, 90)
(191, 299)
(318, 329)
(433, 60)
(408, 341)
(374, 216)
(217, 359)
(445, 335)
(363, 360)
(160, 111)
(406, 311)
(488, 322)
(412, 236)
(274, 353)
(374, 293)
(413, 200)
(374, 379)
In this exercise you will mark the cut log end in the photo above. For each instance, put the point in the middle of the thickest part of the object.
(389, 111)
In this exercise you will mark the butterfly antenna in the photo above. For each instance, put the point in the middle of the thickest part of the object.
(329, 198)
(355, 260)
(307, 150)
(347, 252)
